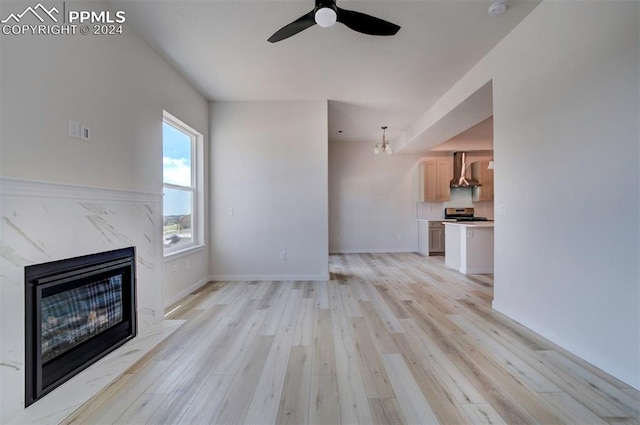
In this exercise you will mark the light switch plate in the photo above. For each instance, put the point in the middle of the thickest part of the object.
(74, 129)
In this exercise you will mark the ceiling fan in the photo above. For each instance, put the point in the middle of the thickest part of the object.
(326, 13)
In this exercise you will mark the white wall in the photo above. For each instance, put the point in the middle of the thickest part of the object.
(566, 131)
(269, 164)
(372, 200)
(118, 86)
(566, 135)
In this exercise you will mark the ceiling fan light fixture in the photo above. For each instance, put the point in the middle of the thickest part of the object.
(325, 16)
(497, 8)
(326, 13)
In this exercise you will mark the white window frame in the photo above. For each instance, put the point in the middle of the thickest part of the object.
(196, 188)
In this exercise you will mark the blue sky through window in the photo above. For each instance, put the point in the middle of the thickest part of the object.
(176, 168)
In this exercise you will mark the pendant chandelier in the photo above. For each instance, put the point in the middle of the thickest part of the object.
(385, 146)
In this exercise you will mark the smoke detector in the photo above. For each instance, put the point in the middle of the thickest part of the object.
(497, 8)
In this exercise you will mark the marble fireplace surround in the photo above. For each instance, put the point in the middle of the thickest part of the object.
(42, 222)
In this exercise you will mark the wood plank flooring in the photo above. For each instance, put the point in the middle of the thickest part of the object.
(390, 339)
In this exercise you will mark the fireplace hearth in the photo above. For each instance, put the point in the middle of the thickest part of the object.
(77, 311)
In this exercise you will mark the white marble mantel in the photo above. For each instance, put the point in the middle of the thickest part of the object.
(42, 222)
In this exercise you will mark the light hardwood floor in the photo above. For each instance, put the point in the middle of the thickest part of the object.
(390, 339)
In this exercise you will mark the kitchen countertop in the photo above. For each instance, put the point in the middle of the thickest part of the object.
(470, 223)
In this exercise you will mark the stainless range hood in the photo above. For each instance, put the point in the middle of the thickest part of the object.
(460, 177)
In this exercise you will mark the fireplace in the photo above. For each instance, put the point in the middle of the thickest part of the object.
(76, 311)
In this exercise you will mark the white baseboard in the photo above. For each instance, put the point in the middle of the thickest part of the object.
(631, 378)
(371, 251)
(253, 278)
(180, 295)
(479, 270)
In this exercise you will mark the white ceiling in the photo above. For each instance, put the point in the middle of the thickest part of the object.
(222, 48)
(477, 138)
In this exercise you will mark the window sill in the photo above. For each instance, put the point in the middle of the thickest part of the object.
(174, 255)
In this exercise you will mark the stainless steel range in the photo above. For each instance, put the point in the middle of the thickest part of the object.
(462, 214)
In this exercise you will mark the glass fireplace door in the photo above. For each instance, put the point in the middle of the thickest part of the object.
(78, 310)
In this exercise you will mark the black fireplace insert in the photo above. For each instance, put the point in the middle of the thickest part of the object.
(76, 311)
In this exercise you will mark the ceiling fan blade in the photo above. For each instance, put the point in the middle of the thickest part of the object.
(366, 24)
(300, 24)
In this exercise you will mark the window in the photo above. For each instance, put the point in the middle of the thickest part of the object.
(182, 195)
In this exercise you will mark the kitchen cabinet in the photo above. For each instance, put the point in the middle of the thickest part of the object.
(433, 180)
(430, 237)
(484, 176)
(436, 238)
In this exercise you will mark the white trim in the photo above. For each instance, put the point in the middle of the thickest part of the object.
(179, 124)
(180, 295)
(197, 187)
(10, 186)
(173, 186)
(190, 250)
(372, 251)
(629, 377)
(255, 278)
(477, 270)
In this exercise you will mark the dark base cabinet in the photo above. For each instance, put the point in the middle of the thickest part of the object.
(436, 238)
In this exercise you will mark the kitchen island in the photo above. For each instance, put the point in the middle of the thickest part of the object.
(469, 246)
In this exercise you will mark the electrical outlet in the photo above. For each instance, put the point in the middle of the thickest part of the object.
(283, 255)
(174, 269)
(502, 209)
(469, 234)
(230, 210)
